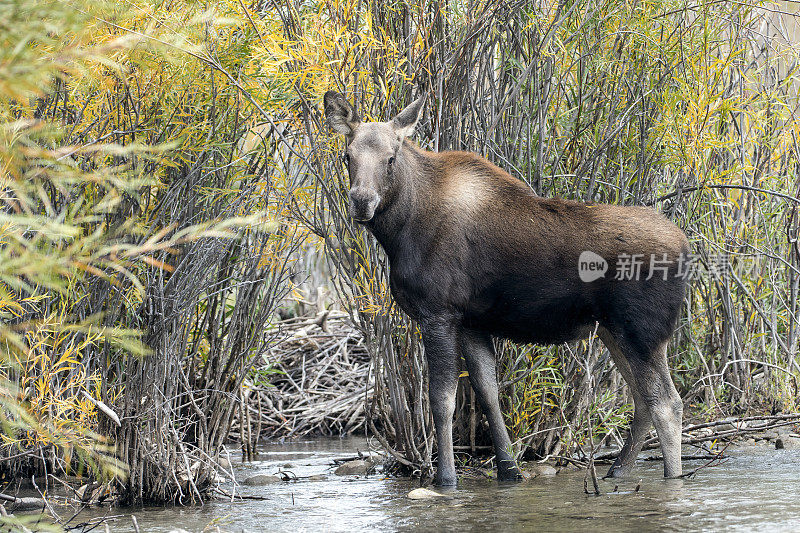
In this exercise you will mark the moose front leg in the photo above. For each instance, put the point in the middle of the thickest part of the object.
(440, 341)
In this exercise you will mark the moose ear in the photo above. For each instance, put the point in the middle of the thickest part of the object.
(405, 122)
(340, 114)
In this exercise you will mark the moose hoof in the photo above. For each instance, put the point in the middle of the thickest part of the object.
(617, 472)
(445, 480)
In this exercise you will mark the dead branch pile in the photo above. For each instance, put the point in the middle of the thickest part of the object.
(315, 380)
(766, 427)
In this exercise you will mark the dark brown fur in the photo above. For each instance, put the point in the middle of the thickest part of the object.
(511, 267)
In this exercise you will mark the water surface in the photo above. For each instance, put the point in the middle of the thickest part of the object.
(755, 490)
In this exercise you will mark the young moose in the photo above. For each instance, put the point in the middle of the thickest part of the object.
(475, 254)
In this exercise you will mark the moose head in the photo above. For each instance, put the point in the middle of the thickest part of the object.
(372, 153)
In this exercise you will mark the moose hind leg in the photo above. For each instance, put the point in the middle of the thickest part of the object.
(641, 423)
(440, 341)
(640, 426)
(478, 352)
(665, 406)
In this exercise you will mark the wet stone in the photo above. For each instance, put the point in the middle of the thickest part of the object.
(357, 467)
(84, 491)
(262, 479)
(787, 443)
(425, 494)
(542, 471)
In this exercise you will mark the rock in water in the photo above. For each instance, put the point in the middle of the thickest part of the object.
(786, 442)
(542, 470)
(425, 494)
(357, 467)
(262, 479)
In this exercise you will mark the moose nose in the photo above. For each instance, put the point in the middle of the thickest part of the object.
(363, 203)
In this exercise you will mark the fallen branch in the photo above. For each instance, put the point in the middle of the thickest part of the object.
(239, 496)
(320, 385)
(773, 421)
(718, 458)
(105, 409)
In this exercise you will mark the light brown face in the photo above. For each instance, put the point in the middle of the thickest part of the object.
(371, 152)
(370, 157)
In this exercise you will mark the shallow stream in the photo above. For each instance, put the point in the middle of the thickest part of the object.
(755, 490)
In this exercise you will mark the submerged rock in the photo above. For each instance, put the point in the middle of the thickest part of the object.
(262, 479)
(786, 442)
(542, 470)
(570, 467)
(425, 494)
(357, 467)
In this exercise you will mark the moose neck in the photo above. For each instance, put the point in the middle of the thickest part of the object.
(393, 223)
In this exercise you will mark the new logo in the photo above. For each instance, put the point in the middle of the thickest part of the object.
(591, 266)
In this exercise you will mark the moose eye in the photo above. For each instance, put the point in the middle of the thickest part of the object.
(391, 160)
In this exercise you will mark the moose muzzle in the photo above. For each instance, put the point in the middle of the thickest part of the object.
(363, 203)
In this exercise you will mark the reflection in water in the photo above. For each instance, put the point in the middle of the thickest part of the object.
(755, 490)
